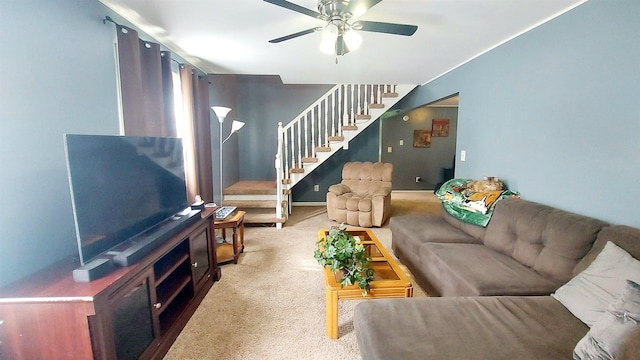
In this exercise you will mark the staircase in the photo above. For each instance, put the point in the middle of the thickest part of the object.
(257, 198)
(311, 138)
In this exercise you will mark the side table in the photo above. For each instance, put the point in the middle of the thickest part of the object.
(234, 221)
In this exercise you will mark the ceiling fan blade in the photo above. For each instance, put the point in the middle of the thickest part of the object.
(357, 8)
(389, 28)
(295, 35)
(296, 8)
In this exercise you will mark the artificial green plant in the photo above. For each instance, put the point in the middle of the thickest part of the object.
(341, 252)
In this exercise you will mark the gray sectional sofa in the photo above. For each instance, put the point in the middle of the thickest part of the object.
(526, 249)
(492, 286)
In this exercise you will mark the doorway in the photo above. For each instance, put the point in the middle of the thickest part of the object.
(420, 143)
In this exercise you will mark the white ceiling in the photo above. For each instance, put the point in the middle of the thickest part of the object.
(231, 36)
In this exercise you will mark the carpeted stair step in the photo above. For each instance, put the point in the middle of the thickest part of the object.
(251, 188)
(262, 216)
(251, 204)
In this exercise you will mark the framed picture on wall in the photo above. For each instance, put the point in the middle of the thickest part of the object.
(421, 138)
(440, 127)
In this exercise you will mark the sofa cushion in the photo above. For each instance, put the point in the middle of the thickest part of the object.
(501, 327)
(549, 240)
(352, 200)
(626, 237)
(367, 177)
(474, 230)
(608, 335)
(589, 293)
(474, 269)
(411, 231)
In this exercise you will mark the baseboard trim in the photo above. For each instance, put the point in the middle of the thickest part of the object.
(308, 204)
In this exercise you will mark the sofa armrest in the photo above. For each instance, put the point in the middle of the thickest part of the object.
(382, 191)
(339, 189)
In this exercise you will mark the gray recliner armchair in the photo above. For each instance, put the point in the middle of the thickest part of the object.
(363, 197)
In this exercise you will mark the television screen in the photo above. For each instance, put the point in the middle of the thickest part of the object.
(122, 186)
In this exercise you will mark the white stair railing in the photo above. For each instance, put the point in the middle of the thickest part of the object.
(321, 124)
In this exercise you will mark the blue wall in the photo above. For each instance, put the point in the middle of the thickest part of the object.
(58, 76)
(555, 112)
(409, 161)
(263, 101)
(364, 147)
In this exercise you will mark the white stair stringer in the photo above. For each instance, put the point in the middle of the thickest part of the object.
(287, 179)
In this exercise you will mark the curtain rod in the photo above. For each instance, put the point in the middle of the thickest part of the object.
(109, 19)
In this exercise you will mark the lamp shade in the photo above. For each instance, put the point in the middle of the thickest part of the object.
(221, 112)
(235, 127)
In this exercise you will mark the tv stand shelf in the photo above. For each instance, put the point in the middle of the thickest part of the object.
(135, 312)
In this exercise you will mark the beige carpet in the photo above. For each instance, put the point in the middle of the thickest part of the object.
(271, 305)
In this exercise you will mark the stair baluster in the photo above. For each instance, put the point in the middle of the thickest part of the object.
(307, 119)
(325, 141)
(313, 131)
(345, 105)
(323, 124)
(336, 113)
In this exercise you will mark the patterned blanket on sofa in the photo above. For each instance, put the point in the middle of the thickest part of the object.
(472, 207)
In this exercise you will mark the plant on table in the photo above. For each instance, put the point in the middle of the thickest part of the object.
(341, 252)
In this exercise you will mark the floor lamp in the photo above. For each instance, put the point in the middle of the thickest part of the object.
(221, 113)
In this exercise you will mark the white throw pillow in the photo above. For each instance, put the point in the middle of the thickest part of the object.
(609, 333)
(589, 293)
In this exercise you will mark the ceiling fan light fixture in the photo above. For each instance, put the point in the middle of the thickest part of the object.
(342, 21)
(352, 39)
(327, 47)
(330, 32)
(329, 36)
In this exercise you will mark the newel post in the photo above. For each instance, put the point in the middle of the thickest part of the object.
(279, 173)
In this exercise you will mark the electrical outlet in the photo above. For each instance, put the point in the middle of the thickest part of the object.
(418, 179)
(316, 187)
(401, 142)
(389, 149)
(463, 155)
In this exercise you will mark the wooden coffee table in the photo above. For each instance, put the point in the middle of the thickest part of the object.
(389, 281)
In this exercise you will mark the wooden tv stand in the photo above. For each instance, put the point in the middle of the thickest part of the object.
(133, 312)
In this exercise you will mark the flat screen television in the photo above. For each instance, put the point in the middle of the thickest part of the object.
(123, 187)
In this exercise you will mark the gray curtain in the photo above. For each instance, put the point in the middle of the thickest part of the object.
(148, 106)
(202, 139)
(146, 86)
(195, 99)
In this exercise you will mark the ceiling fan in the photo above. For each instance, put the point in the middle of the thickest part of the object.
(339, 34)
